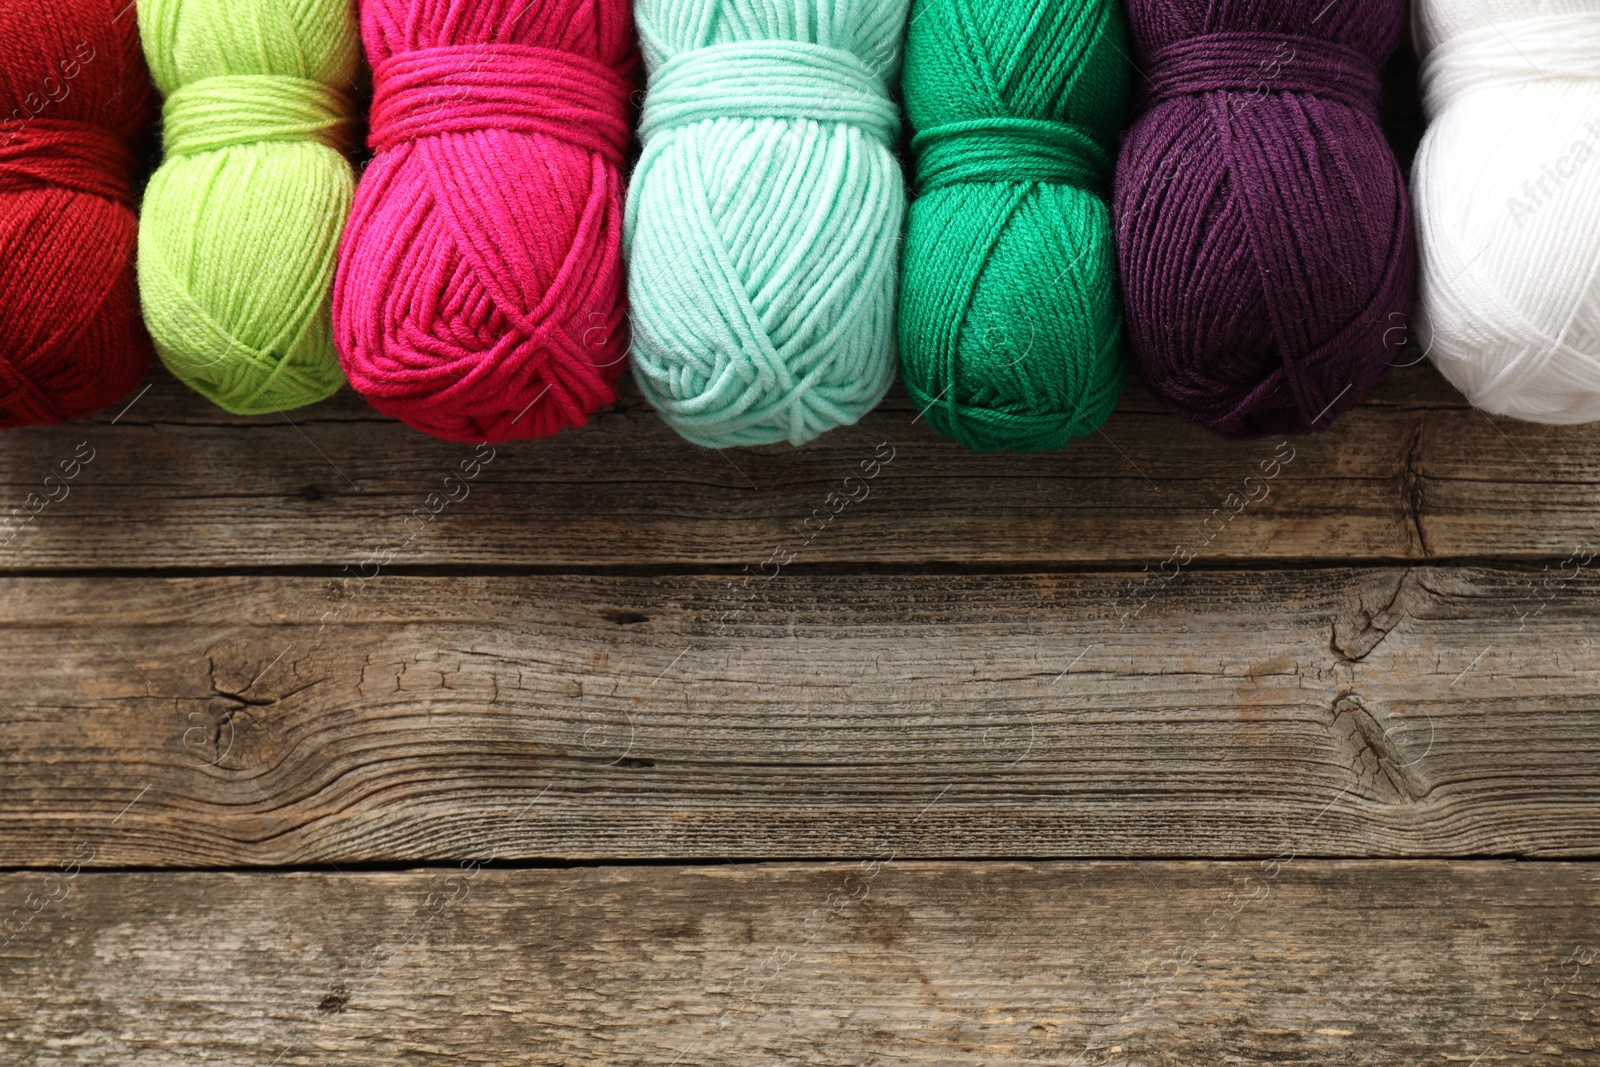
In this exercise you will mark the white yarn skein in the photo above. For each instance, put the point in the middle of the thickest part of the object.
(1507, 192)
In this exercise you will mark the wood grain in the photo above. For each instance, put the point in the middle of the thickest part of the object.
(888, 963)
(1430, 711)
(174, 483)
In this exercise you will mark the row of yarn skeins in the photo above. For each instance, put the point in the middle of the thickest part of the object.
(1251, 217)
(471, 283)
(1255, 227)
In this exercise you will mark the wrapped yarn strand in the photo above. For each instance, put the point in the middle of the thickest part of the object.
(1507, 190)
(765, 216)
(1264, 232)
(74, 99)
(1010, 330)
(481, 294)
(242, 219)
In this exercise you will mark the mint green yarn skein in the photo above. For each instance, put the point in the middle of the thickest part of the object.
(1010, 328)
(241, 223)
(765, 215)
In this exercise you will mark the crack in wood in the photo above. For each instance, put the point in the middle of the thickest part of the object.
(1355, 636)
(1377, 751)
(1411, 491)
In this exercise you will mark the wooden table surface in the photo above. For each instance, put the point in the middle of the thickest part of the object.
(324, 742)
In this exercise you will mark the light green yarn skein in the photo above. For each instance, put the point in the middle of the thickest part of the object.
(765, 215)
(241, 223)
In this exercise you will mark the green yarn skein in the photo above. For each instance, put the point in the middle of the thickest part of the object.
(1010, 326)
(765, 215)
(240, 229)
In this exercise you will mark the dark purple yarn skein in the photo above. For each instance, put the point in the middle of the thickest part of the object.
(1264, 231)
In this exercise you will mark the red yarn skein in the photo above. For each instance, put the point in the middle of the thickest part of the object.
(74, 95)
(480, 293)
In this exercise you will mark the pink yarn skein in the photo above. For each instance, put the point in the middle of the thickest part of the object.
(481, 294)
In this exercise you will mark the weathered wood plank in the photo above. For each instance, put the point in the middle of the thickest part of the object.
(223, 721)
(177, 484)
(888, 962)
(1536, 488)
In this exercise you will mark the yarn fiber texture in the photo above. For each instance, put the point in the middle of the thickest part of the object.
(241, 221)
(74, 98)
(765, 215)
(1507, 189)
(481, 293)
(1263, 227)
(1010, 330)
